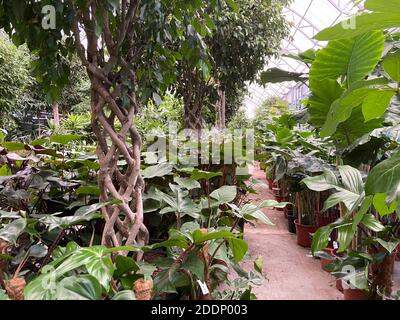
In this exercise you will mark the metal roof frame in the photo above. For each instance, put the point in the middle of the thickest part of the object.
(305, 24)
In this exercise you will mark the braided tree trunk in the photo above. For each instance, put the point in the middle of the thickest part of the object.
(112, 78)
(192, 88)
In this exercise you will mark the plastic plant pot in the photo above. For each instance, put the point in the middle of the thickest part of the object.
(304, 234)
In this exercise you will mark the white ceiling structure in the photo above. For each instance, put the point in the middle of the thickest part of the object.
(307, 18)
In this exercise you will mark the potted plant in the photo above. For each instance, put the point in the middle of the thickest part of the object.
(305, 222)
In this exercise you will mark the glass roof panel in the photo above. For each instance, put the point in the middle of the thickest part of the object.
(307, 17)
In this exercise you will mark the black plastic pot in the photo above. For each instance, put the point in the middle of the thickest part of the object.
(291, 224)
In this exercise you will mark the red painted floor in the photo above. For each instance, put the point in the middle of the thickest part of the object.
(291, 273)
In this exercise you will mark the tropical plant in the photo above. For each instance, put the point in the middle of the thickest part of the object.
(367, 228)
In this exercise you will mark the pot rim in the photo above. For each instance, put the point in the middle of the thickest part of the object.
(296, 222)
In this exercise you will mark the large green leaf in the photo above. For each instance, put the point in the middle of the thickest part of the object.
(239, 248)
(180, 203)
(83, 214)
(159, 170)
(124, 295)
(372, 223)
(43, 287)
(200, 237)
(383, 6)
(390, 246)
(385, 177)
(187, 183)
(197, 174)
(13, 146)
(11, 231)
(225, 194)
(233, 5)
(176, 239)
(363, 23)
(250, 211)
(88, 190)
(97, 263)
(324, 93)
(335, 110)
(5, 171)
(354, 58)
(352, 179)
(349, 190)
(346, 233)
(381, 205)
(124, 264)
(54, 222)
(321, 239)
(276, 75)
(83, 287)
(391, 64)
(376, 104)
(64, 139)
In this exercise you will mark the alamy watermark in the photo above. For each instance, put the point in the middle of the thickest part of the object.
(49, 17)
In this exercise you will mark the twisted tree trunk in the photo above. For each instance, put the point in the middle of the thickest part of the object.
(112, 121)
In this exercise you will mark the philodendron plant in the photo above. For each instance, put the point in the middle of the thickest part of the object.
(368, 227)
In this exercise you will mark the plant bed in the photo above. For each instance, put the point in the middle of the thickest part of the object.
(304, 234)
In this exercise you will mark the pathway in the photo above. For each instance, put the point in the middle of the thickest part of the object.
(292, 274)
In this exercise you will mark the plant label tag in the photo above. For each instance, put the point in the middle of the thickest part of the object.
(335, 245)
(203, 287)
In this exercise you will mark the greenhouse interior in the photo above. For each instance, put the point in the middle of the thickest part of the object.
(200, 150)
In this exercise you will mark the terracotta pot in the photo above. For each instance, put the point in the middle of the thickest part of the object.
(355, 294)
(339, 285)
(304, 234)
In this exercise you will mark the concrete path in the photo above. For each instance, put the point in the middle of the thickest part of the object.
(291, 273)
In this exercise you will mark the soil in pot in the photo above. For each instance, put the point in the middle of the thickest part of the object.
(304, 234)
(355, 294)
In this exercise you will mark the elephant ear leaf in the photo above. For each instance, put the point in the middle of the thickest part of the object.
(391, 64)
(354, 58)
(385, 178)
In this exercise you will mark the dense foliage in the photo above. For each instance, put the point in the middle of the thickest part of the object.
(352, 112)
(85, 214)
